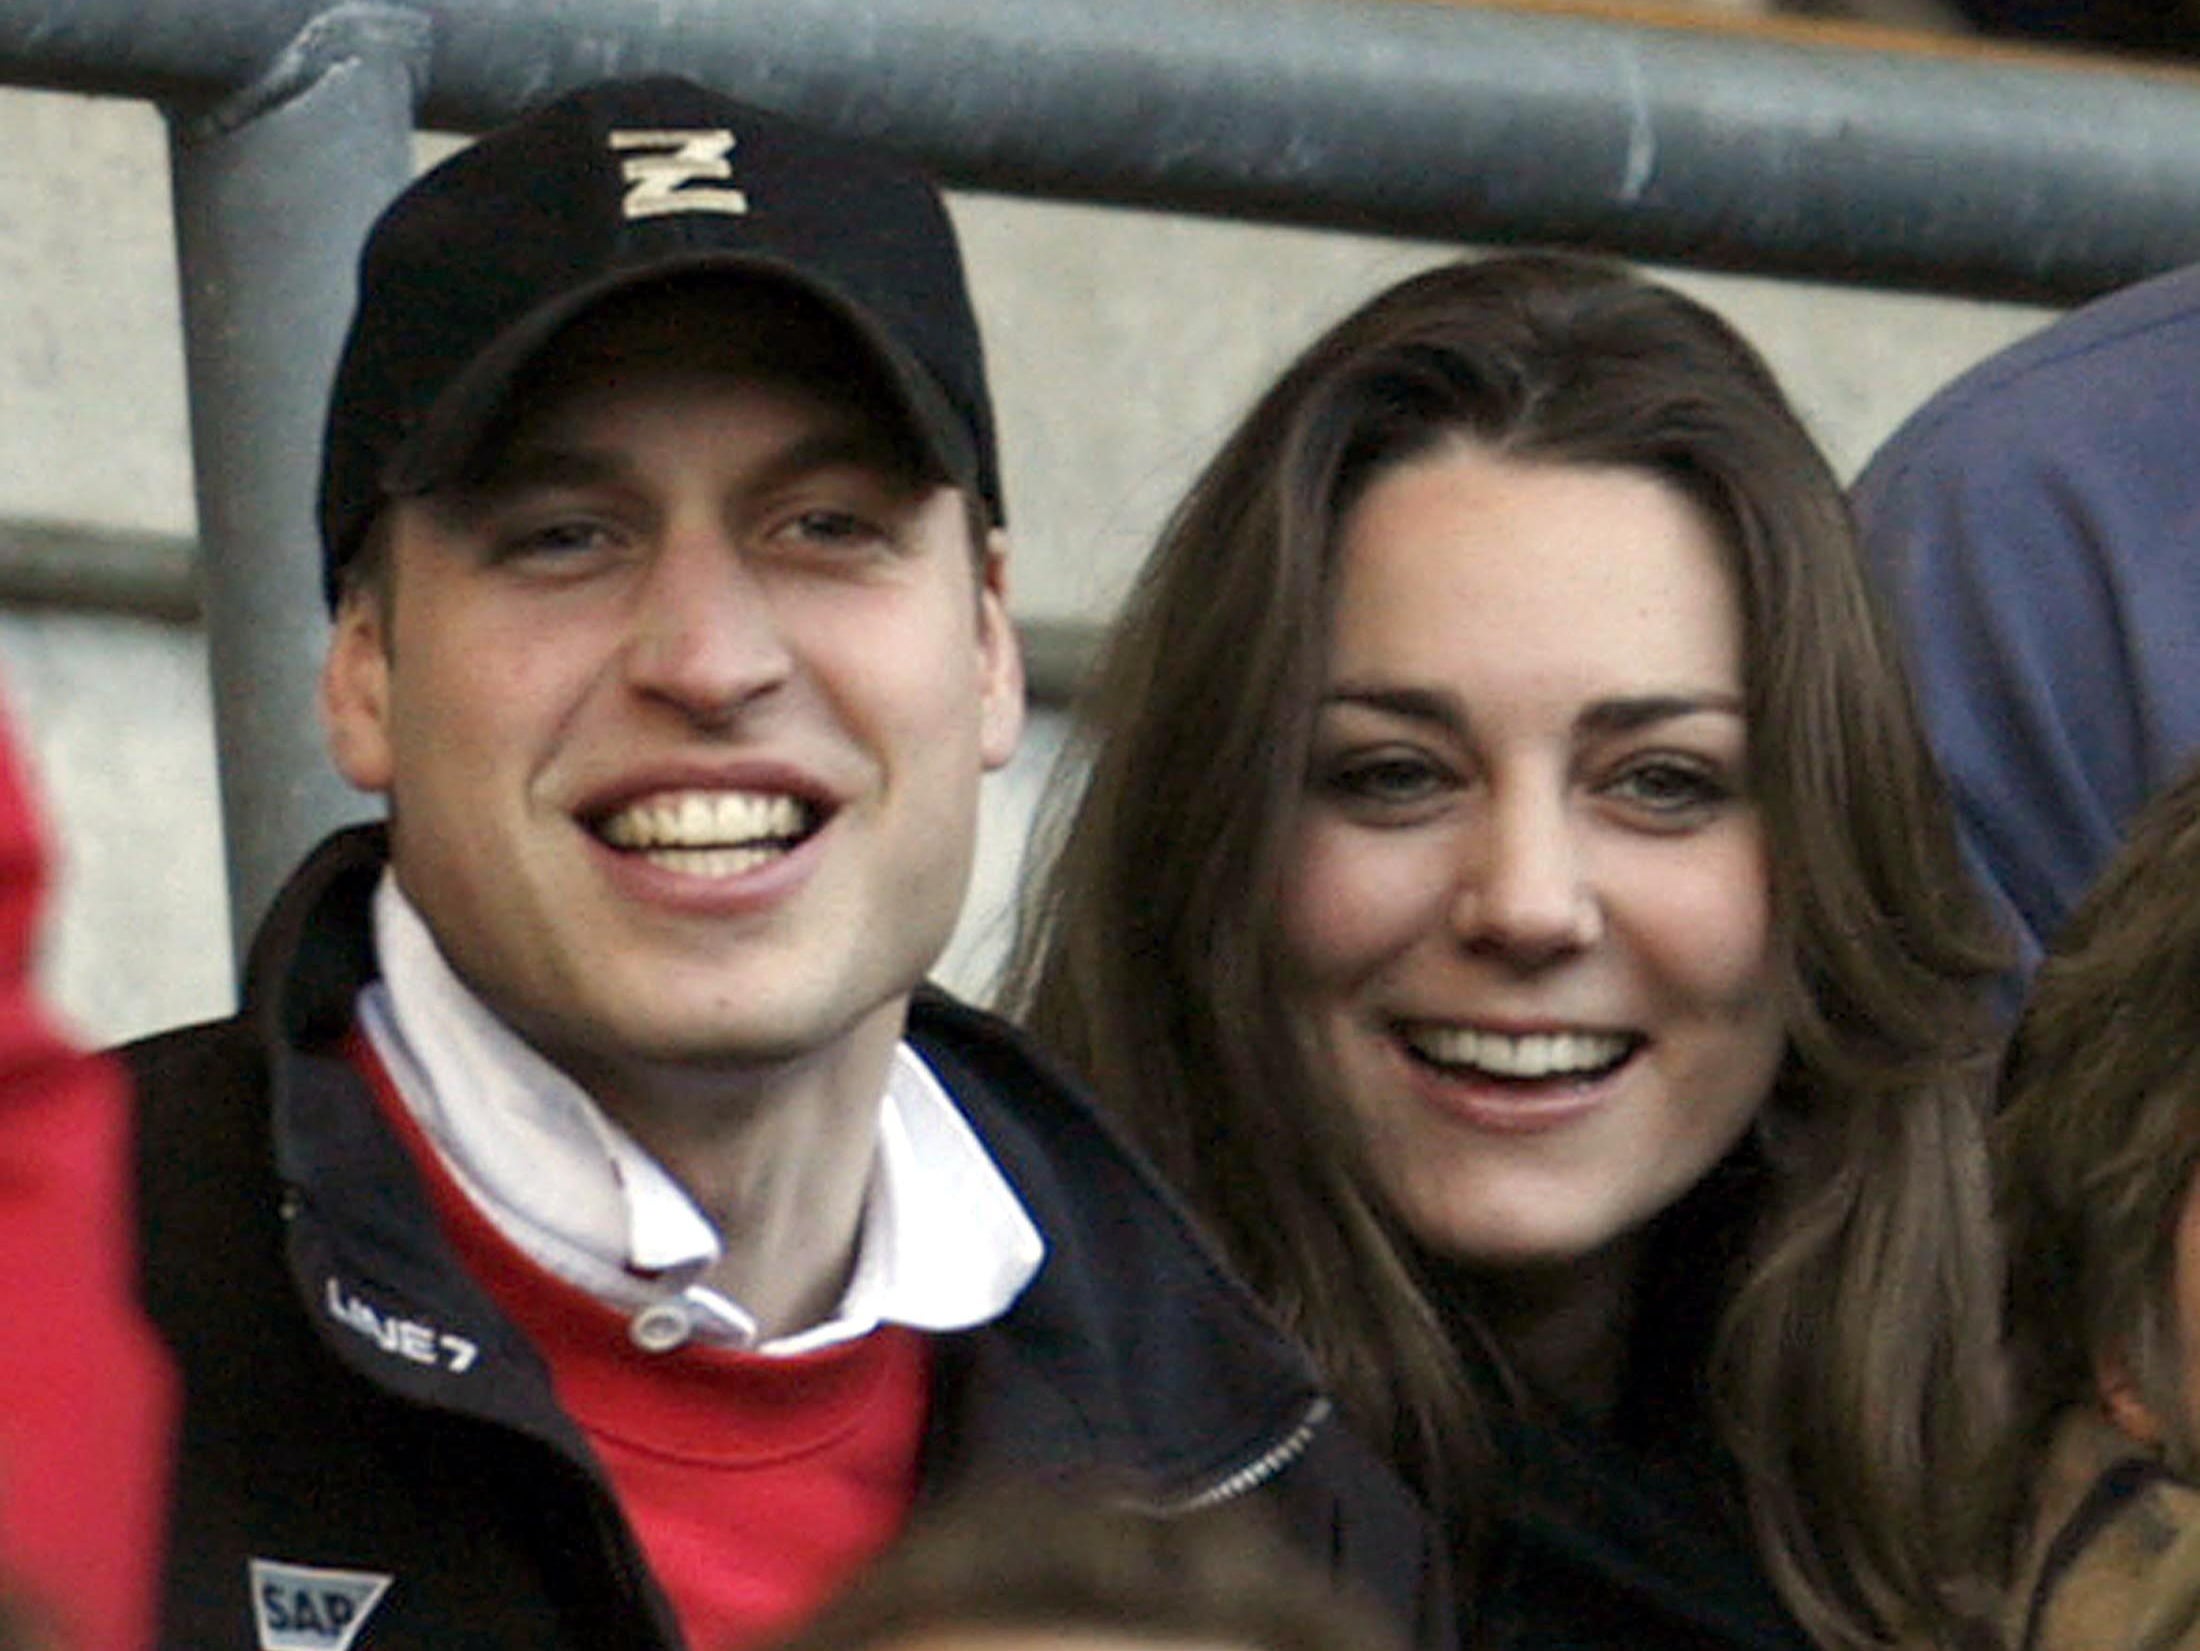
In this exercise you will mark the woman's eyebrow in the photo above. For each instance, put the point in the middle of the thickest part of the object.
(1621, 714)
(1434, 706)
(1628, 713)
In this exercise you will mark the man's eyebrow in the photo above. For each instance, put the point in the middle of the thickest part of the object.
(523, 466)
(856, 444)
(859, 444)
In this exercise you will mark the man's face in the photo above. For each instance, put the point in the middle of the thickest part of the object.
(681, 707)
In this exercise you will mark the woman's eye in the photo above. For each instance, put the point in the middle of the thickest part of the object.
(1672, 789)
(1380, 778)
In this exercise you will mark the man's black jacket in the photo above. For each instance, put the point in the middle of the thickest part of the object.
(371, 1456)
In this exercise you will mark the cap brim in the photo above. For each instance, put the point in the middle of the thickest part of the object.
(449, 438)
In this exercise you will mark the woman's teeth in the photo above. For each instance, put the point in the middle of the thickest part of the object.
(1531, 1056)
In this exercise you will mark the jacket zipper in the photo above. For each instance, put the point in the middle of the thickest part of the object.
(1250, 1476)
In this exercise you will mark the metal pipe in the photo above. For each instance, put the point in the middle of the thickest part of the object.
(274, 190)
(1992, 175)
(2002, 177)
(151, 576)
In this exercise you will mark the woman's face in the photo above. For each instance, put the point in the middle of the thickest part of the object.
(1528, 911)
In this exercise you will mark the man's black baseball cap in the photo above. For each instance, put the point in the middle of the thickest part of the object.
(483, 259)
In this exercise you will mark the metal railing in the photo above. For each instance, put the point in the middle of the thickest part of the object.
(290, 124)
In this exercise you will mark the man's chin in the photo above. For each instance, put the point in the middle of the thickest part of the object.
(706, 1049)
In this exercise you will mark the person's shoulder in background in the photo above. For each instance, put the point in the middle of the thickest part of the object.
(86, 1395)
(2037, 528)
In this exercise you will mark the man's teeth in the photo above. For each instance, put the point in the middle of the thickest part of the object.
(1537, 1055)
(709, 833)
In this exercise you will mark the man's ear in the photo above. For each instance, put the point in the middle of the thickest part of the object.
(1000, 658)
(355, 693)
(2125, 1405)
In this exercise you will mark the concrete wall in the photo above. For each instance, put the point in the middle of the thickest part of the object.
(1123, 345)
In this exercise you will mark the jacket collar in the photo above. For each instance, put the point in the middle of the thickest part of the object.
(1137, 1345)
(1133, 1353)
(366, 1253)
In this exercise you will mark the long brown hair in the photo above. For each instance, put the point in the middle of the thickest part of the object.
(1851, 1370)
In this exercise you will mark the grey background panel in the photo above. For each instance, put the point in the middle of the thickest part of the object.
(1123, 344)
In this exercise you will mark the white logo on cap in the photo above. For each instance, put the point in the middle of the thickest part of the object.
(664, 181)
(308, 1608)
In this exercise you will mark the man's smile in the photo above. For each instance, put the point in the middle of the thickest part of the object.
(704, 833)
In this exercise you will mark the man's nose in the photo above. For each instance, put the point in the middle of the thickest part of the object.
(706, 635)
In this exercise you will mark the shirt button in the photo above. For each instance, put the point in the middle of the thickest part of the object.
(661, 1326)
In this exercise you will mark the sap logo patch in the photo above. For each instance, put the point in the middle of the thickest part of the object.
(306, 1608)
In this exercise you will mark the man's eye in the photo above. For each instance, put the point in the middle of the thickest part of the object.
(835, 527)
(555, 540)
